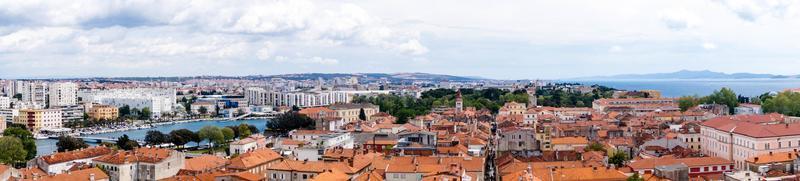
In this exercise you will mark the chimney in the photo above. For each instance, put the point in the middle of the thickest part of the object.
(755, 159)
(91, 177)
(770, 153)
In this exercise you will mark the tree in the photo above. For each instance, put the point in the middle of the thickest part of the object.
(25, 137)
(635, 177)
(124, 142)
(145, 113)
(244, 130)
(595, 146)
(724, 96)
(687, 102)
(618, 158)
(12, 151)
(290, 121)
(228, 133)
(124, 111)
(18, 96)
(202, 110)
(787, 103)
(362, 115)
(155, 137)
(213, 134)
(69, 143)
(253, 129)
(181, 137)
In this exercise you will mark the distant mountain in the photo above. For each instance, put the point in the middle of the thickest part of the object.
(692, 74)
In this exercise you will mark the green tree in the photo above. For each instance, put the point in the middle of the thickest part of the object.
(124, 142)
(595, 146)
(724, 96)
(69, 143)
(124, 111)
(181, 137)
(202, 110)
(618, 158)
(18, 96)
(155, 137)
(145, 113)
(290, 121)
(25, 137)
(253, 129)
(12, 151)
(786, 102)
(687, 102)
(244, 130)
(213, 134)
(635, 177)
(362, 115)
(228, 133)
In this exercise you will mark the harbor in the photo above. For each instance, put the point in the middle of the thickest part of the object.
(47, 146)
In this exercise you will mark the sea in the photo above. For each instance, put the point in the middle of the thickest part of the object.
(700, 87)
(48, 146)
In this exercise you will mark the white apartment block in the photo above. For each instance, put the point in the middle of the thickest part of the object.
(63, 94)
(34, 93)
(259, 96)
(158, 100)
(5, 102)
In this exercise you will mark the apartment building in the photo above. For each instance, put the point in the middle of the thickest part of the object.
(37, 119)
(103, 112)
(63, 94)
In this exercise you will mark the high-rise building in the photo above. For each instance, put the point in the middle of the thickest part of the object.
(63, 94)
(34, 93)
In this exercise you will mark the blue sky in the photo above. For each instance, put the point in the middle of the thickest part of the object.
(497, 39)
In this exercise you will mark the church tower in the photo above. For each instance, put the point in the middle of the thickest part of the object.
(459, 102)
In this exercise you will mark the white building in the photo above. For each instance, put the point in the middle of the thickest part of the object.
(34, 93)
(157, 100)
(5, 102)
(8, 115)
(260, 96)
(63, 94)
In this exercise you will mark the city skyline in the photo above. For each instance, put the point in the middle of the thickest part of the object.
(532, 39)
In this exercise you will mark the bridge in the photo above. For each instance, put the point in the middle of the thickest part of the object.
(271, 114)
(97, 139)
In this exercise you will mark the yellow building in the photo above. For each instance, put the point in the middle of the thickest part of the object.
(349, 112)
(36, 119)
(103, 112)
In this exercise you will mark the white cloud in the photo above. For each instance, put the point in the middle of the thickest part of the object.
(709, 46)
(615, 49)
(679, 19)
(753, 10)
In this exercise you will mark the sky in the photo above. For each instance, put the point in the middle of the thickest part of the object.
(529, 39)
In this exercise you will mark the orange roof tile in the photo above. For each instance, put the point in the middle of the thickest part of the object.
(254, 158)
(204, 163)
